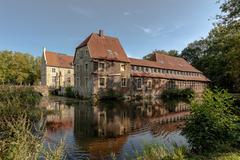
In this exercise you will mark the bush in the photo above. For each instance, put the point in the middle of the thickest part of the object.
(18, 142)
(175, 93)
(69, 92)
(24, 95)
(16, 101)
(212, 123)
(111, 95)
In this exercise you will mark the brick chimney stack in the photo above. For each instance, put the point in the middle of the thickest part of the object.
(100, 33)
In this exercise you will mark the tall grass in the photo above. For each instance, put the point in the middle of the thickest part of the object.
(18, 141)
(21, 136)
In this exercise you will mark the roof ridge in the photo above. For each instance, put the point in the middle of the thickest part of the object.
(64, 54)
(168, 55)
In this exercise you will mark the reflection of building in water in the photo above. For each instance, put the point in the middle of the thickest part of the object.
(100, 121)
(63, 115)
(97, 122)
(111, 123)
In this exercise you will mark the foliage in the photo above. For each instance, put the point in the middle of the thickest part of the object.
(69, 92)
(159, 152)
(19, 68)
(218, 55)
(170, 52)
(111, 94)
(18, 142)
(15, 101)
(175, 93)
(230, 12)
(20, 138)
(212, 123)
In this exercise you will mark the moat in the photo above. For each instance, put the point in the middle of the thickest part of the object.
(96, 130)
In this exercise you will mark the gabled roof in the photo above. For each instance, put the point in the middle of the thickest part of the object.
(58, 60)
(104, 47)
(201, 77)
(172, 62)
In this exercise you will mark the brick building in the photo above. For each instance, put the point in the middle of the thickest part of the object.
(56, 69)
(101, 64)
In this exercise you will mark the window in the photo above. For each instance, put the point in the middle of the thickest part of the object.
(77, 66)
(86, 82)
(68, 80)
(146, 69)
(69, 71)
(78, 82)
(139, 83)
(54, 79)
(86, 67)
(101, 66)
(53, 70)
(132, 68)
(102, 82)
(124, 82)
(149, 84)
(86, 52)
(123, 67)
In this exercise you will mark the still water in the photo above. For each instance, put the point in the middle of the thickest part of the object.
(94, 131)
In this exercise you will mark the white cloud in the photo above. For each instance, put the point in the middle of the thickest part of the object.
(81, 11)
(126, 13)
(159, 31)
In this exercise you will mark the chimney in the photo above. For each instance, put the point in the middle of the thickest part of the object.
(100, 33)
(44, 50)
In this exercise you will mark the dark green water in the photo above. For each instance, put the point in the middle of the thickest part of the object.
(96, 130)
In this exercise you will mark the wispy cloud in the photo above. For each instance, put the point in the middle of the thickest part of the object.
(159, 31)
(127, 13)
(80, 11)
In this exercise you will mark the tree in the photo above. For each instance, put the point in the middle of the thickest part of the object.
(230, 12)
(212, 122)
(195, 51)
(171, 53)
(19, 68)
(218, 55)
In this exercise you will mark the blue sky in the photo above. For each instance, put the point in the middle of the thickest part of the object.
(141, 25)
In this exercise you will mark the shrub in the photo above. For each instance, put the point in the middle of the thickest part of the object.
(24, 95)
(18, 142)
(212, 123)
(16, 101)
(175, 93)
(69, 92)
(111, 94)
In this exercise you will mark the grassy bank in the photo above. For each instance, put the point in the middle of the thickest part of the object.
(160, 152)
(22, 136)
(212, 131)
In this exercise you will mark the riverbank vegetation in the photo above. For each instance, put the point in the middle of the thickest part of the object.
(176, 93)
(19, 68)
(22, 126)
(212, 131)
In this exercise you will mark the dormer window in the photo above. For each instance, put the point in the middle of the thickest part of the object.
(86, 52)
(123, 67)
(101, 66)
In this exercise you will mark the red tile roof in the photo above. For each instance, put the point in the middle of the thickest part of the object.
(58, 60)
(148, 63)
(104, 47)
(172, 62)
(170, 76)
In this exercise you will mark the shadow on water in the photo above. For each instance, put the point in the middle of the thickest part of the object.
(97, 130)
